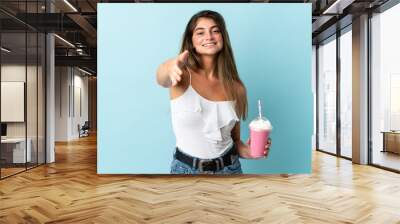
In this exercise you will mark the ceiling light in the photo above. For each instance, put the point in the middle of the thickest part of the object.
(65, 41)
(79, 51)
(84, 71)
(5, 50)
(337, 7)
(70, 5)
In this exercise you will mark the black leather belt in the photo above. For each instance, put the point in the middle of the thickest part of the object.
(207, 164)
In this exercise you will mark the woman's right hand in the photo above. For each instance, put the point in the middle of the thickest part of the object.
(176, 67)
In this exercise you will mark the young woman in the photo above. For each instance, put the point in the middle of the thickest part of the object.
(208, 99)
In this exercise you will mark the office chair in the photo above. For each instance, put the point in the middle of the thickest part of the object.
(84, 130)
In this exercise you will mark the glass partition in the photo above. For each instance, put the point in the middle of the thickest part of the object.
(346, 93)
(31, 101)
(327, 96)
(41, 86)
(22, 77)
(13, 108)
(385, 89)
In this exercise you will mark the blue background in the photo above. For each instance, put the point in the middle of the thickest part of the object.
(272, 47)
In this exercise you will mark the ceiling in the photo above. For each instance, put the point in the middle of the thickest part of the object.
(76, 22)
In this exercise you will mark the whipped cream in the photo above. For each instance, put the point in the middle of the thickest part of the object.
(260, 124)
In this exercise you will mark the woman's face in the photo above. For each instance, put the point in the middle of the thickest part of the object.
(207, 38)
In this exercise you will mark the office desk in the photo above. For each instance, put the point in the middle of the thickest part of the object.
(391, 141)
(16, 147)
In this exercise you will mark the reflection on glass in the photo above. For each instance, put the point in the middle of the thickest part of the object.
(386, 89)
(22, 90)
(14, 152)
(31, 101)
(346, 94)
(41, 97)
(327, 97)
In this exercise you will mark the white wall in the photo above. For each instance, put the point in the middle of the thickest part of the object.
(61, 103)
(33, 127)
(80, 110)
(15, 72)
(71, 93)
(12, 101)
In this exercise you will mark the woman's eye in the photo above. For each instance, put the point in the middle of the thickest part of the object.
(216, 31)
(201, 33)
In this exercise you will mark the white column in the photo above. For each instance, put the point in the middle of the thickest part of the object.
(50, 110)
(50, 87)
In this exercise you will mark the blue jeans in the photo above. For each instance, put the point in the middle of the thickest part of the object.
(178, 167)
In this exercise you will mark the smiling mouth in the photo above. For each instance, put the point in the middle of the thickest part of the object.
(209, 44)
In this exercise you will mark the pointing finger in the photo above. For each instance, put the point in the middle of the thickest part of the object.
(178, 71)
(177, 77)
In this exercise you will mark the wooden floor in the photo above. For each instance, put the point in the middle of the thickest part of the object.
(70, 191)
(5, 172)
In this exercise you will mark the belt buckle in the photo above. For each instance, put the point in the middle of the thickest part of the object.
(205, 162)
